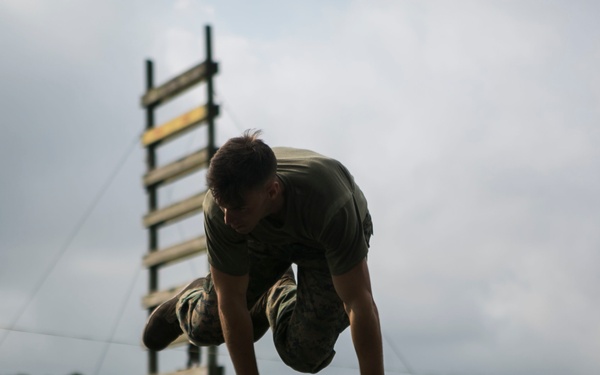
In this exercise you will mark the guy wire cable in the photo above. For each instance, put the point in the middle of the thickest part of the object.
(117, 321)
(398, 354)
(226, 108)
(52, 264)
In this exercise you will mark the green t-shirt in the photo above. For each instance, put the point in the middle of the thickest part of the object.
(324, 210)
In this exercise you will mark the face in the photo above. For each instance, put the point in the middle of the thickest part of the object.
(244, 218)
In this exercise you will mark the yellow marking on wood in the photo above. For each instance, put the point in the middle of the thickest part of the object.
(174, 126)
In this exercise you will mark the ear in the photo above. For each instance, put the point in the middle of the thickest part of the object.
(273, 188)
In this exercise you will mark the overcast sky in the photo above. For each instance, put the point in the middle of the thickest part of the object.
(471, 126)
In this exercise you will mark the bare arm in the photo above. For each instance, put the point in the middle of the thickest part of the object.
(354, 289)
(235, 320)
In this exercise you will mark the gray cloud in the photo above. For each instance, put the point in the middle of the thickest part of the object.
(471, 127)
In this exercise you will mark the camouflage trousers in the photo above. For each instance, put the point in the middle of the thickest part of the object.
(306, 318)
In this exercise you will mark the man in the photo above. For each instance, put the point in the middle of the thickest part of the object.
(266, 209)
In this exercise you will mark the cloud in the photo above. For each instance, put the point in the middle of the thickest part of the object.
(471, 127)
(195, 7)
(457, 124)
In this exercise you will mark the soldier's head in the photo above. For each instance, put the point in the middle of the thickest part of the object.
(241, 176)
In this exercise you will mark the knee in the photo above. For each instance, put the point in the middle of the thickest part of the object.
(308, 358)
(199, 319)
(205, 337)
(205, 330)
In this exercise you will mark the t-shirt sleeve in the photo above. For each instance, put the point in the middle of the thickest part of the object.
(344, 239)
(227, 251)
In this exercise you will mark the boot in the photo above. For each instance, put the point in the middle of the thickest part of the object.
(162, 327)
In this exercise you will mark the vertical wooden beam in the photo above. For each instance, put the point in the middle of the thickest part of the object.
(152, 205)
(213, 368)
(153, 97)
(210, 96)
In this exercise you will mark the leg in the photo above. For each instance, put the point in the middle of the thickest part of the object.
(162, 327)
(198, 315)
(197, 310)
(307, 321)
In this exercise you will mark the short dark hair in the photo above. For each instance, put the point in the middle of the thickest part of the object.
(241, 164)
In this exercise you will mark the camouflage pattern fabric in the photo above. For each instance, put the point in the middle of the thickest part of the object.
(306, 319)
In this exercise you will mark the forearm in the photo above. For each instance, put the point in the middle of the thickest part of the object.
(366, 336)
(237, 331)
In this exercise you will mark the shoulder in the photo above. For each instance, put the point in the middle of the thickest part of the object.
(226, 248)
(214, 222)
(311, 166)
(210, 207)
(319, 184)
